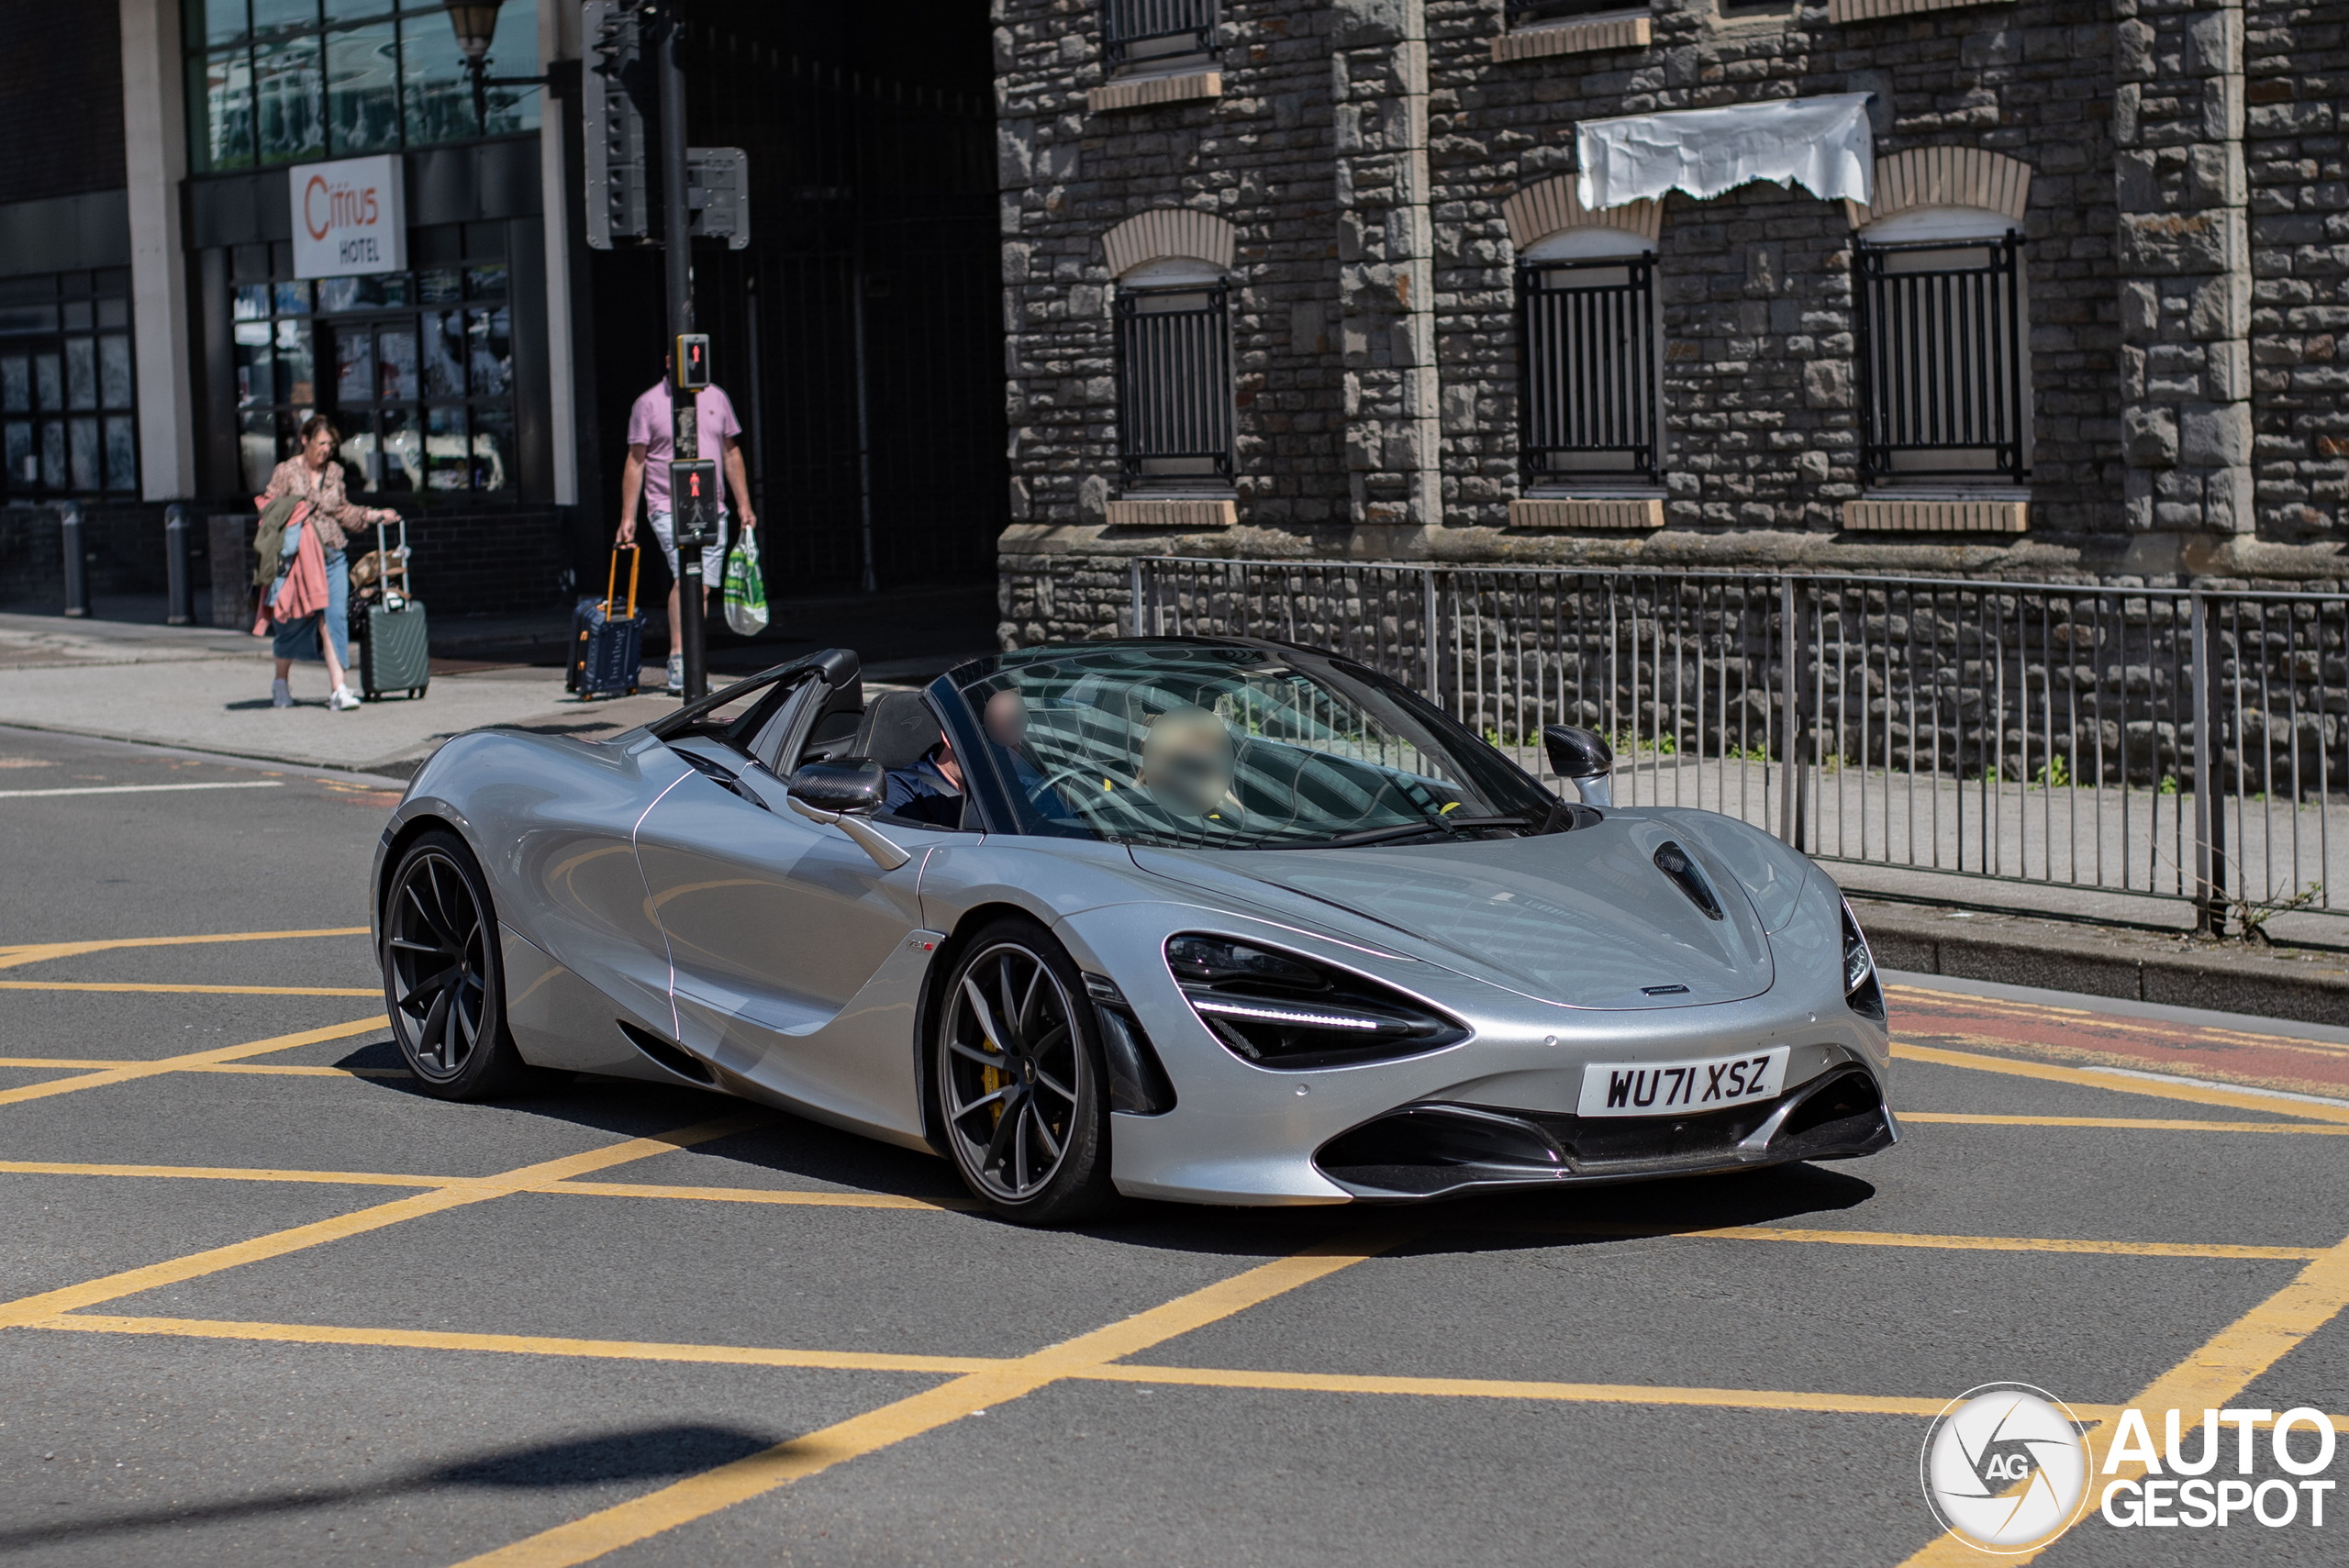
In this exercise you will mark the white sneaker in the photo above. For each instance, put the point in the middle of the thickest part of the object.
(342, 701)
(676, 674)
(280, 694)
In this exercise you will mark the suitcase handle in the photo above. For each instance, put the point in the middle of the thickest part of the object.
(384, 560)
(635, 560)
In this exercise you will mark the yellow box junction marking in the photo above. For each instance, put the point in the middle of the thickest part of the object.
(513, 1344)
(456, 1194)
(698, 1496)
(2148, 1124)
(2114, 1023)
(158, 987)
(124, 1073)
(1142, 1373)
(2099, 1078)
(41, 953)
(1928, 1240)
(2212, 1378)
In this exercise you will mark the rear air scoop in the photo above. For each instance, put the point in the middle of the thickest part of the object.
(1587, 918)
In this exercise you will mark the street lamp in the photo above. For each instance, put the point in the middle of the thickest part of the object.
(475, 23)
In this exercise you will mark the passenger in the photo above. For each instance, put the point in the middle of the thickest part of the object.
(1188, 765)
(931, 791)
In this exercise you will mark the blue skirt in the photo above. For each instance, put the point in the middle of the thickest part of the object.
(297, 639)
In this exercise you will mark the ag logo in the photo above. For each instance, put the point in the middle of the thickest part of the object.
(2005, 1467)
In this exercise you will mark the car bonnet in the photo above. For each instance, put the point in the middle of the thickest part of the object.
(1584, 918)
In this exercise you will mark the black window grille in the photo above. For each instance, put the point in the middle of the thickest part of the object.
(1145, 32)
(1940, 360)
(1532, 13)
(1174, 386)
(1588, 332)
(68, 397)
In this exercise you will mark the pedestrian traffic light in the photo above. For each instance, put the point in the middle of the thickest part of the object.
(692, 360)
(692, 500)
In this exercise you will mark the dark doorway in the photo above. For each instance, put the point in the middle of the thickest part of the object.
(869, 290)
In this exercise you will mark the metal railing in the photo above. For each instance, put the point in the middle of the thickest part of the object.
(1174, 384)
(1939, 330)
(1589, 331)
(1136, 32)
(2032, 733)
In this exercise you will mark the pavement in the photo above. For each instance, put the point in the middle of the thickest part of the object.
(205, 689)
(262, 1302)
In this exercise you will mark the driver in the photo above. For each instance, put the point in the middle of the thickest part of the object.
(1004, 719)
(1187, 762)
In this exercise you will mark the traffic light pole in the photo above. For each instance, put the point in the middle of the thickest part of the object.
(687, 519)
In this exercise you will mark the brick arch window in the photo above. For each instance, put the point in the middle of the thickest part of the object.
(1174, 349)
(1941, 341)
(1586, 337)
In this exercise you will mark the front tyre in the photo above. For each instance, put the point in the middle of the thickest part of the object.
(1017, 1079)
(444, 986)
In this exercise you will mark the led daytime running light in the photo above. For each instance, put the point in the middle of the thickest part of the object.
(1284, 1015)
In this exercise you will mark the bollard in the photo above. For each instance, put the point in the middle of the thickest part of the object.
(77, 575)
(182, 606)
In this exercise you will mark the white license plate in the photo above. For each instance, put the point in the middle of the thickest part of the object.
(1675, 1088)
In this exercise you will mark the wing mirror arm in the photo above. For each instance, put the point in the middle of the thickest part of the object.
(830, 793)
(1583, 758)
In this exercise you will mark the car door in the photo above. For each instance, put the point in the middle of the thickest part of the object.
(775, 924)
(581, 926)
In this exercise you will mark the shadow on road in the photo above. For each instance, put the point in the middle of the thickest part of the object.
(644, 1454)
(806, 1152)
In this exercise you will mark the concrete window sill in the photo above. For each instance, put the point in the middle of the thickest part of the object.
(1955, 515)
(1842, 11)
(1148, 92)
(1585, 35)
(1187, 512)
(1586, 512)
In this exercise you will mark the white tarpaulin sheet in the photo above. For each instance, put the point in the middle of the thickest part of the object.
(1820, 144)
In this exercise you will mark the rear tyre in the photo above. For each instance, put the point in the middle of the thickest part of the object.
(1017, 1079)
(444, 986)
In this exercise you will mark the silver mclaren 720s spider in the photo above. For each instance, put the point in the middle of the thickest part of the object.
(1222, 921)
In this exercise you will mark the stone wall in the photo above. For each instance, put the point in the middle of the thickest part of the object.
(2187, 259)
(2296, 60)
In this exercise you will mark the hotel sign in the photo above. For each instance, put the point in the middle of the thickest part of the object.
(348, 216)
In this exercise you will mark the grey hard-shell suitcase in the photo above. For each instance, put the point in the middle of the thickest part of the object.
(395, 653)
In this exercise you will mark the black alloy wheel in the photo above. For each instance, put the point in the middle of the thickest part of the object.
(443, 986)
(1017, 1078)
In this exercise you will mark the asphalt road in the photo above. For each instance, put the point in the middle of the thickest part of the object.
(263, 1303)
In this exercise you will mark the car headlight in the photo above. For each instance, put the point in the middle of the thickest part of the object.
(1860, 987)
(1284, 1011)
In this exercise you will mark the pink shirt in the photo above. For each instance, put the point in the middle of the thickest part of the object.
(648, 427)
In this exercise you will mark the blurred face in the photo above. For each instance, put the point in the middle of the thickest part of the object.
(318, 448)
(1006, 719)
(1187, 761)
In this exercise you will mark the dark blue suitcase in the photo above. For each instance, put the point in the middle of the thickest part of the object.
(607, 650)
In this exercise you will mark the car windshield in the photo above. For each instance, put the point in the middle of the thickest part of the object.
(1236, 747)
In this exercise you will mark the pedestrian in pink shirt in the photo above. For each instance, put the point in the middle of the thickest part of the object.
(651, 447)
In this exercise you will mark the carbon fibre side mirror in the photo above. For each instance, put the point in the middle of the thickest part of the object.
(1582, 757)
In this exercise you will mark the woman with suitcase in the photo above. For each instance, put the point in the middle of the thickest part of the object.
(313, 475)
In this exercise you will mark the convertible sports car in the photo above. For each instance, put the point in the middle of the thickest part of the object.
(1224, 921)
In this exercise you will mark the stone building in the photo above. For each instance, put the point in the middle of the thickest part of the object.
(1321, 280)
